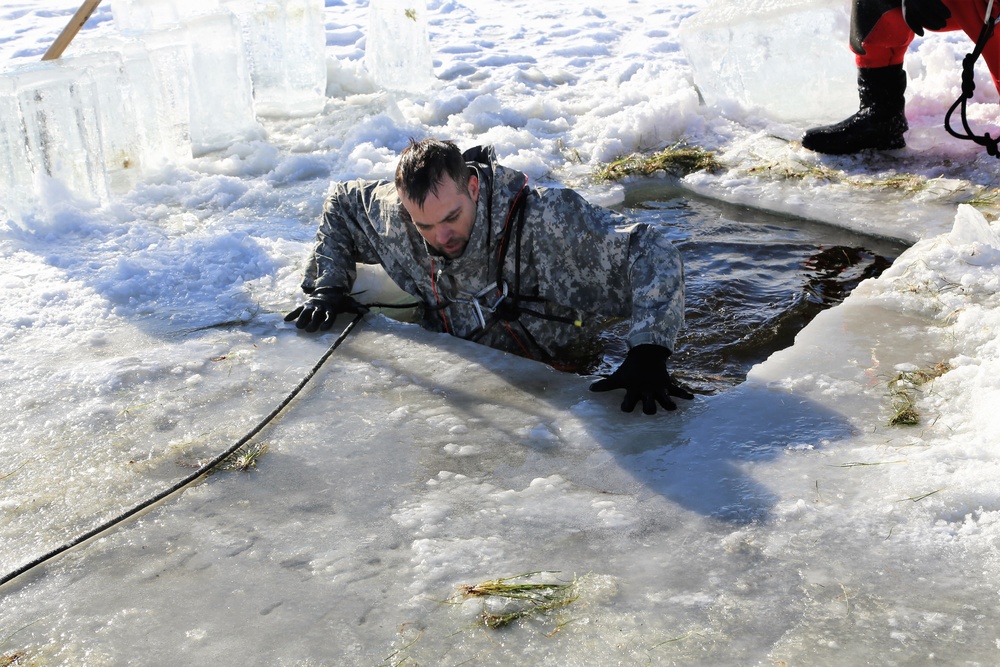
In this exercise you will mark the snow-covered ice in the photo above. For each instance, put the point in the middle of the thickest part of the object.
(780, 522)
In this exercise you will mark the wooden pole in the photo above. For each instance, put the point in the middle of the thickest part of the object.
(73, 27)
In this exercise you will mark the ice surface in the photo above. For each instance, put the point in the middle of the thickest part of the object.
(788, 57)
(971, 227)
(784, 522)
(397, 50)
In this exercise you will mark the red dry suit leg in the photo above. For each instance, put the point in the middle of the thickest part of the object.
(880, 36)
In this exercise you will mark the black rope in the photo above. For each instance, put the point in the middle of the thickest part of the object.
(968, 88)
(202, 471)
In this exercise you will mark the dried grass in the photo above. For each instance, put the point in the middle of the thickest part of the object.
(678, 160)
(903, 393)
(514, 598)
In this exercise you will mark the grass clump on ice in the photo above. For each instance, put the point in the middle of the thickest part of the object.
(903, 182)
(902, 391)
(245, 457)
(798, 171)
(985, 198)
(242, 460)
(682, 159)
(15, 658)
(514, 598)
(677, 160)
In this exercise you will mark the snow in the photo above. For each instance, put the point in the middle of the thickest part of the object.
(783, 521)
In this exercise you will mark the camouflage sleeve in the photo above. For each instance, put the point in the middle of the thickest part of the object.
(589, 260)
(657, 276)
(344, 237)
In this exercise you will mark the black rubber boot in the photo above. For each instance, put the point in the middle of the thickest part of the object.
(879, 123)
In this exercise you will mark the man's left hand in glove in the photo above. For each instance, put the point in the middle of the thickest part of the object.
(644, 377)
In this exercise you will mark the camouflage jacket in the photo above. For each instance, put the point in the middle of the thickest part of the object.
(569, 270)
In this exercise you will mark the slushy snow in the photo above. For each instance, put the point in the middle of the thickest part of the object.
(781, 522)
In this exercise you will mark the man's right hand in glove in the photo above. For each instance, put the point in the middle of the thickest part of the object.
(920, 14)
(322, 308)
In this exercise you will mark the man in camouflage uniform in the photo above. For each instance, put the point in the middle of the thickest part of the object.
(533, 271)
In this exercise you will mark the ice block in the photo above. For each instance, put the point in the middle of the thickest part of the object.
(136, 16)
(397, 49)
(789, 58)
(158, 71)
(286, 41)
(16, 180)
(115, 115)
(222, 110)
(62, 134)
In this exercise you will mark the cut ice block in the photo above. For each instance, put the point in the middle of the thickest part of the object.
(286, 40)
(397, 51)
(72, 120)
(143, 15)
(157, 68)
(61, 126)
(220, 95)
(285, 44)
(117, 128)
(222, 111)
(788, 57)
(16, 181)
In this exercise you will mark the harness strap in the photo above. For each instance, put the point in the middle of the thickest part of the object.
(507, 308)
(517, 208)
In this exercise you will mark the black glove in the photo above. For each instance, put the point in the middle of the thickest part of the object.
(920, 14)
(322, 308)
(643, 375)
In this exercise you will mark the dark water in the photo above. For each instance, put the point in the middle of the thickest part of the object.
(753, 279)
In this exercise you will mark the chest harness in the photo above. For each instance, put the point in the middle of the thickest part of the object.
(501, 303)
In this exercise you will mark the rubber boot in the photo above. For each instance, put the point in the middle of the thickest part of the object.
(879, 123)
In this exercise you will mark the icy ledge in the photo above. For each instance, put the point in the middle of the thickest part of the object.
(938, 304)
(902, 195)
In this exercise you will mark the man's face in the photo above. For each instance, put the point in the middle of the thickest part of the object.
(446, 218)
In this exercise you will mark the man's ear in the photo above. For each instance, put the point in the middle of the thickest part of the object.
(474, 187)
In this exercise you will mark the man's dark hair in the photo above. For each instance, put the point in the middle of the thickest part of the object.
(423, 166)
